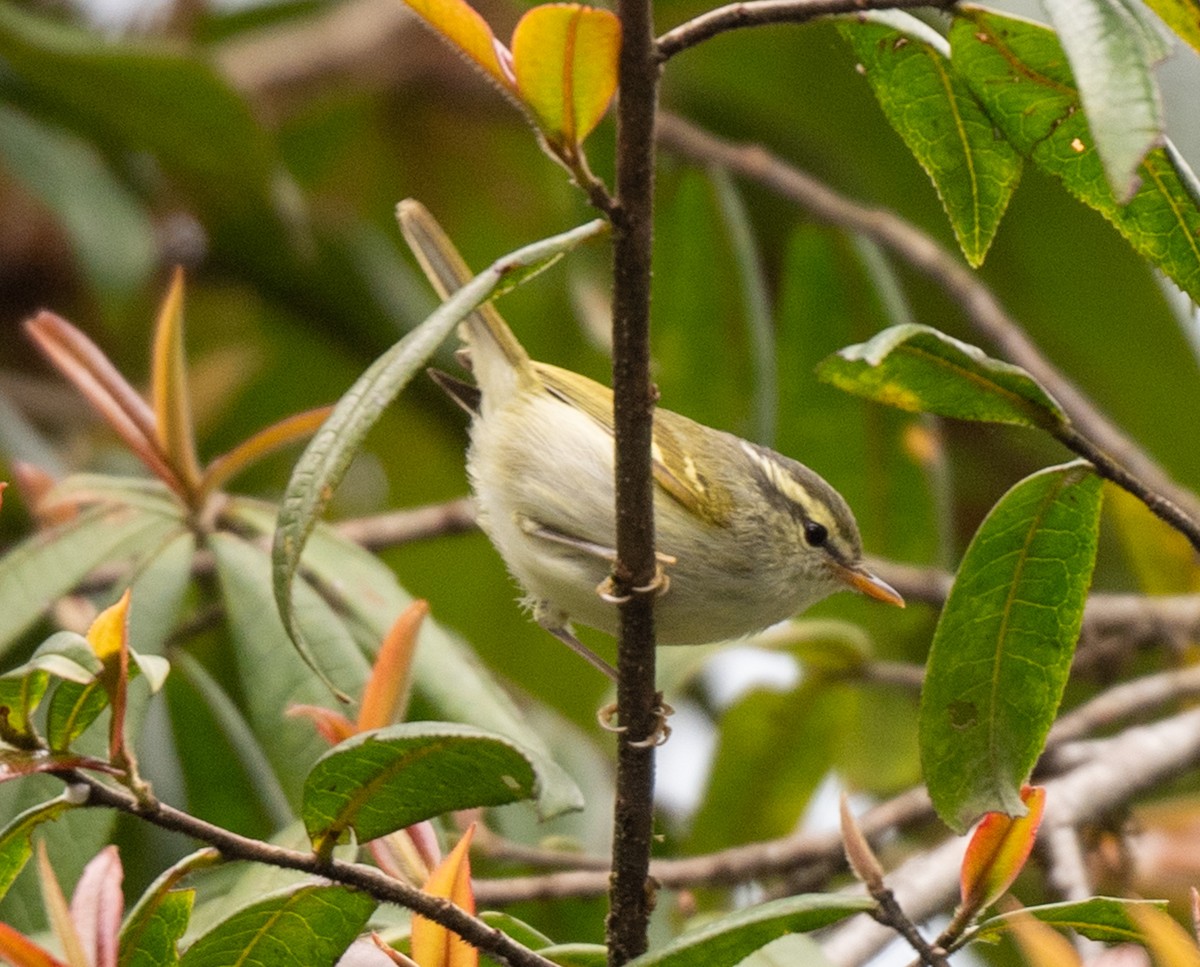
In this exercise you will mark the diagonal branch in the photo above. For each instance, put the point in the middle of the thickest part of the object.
(978, 303)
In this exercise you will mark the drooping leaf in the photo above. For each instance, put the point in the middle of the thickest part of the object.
(1112, 52)
(1102, 918)
(998, 850)
(16, 845)
(307, 927)
(934, 112)
(15, 764)
(1003, 645)
(730, 939)
(381, 781)
(916, 368)
(321, 467)
(1020, 74)
(432, 944)
(565, 60)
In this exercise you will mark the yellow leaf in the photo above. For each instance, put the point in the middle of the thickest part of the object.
(57, 911)
(458, 23)
(432, 944)
(1041, 945)
(107, 635)
(565, 58)
(169, 388)
(1167, 941)
(1162, 560)
(387, 688)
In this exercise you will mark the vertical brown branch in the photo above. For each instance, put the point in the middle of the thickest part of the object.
(630, 895)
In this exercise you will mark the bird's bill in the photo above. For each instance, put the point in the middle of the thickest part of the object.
(864, 582)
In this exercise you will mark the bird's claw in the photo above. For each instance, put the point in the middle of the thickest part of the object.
(607, 714)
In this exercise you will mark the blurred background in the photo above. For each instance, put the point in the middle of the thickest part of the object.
(264, 147)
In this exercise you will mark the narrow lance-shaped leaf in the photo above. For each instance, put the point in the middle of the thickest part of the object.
(327, 456)
(975, 173)
(81, 361)
(58, 912)
(1107, 919)
(917, 368)
(386, 694)
(1162, 935)
(1003, 645)
(1019, 72)
(432, 944)
(378, 782)
(169, 388)
(97, 905)
(275, 437)
(565, 59)
(998, 850)
(1112, 53)
(19, 950)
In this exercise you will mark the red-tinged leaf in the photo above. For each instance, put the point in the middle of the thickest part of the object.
(14, 764)
(386, 694)
(3, 487)
(1169, 943)
(81, 361)
(109, 638)
(332, 726)
(57, 911)
(998, 850)
(34, 484)
(275, 437)
(97, 906)
(409, 854)
(432, 944)
(565, 58)
(463, 27)
(20, 951)
(169, 388)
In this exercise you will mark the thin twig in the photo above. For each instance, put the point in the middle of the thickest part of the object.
(631, 896)
(980, 306)
(368, 879)
(756, 13)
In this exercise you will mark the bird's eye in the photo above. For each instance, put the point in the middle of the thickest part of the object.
(816, 534)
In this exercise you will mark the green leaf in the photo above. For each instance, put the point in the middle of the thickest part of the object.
(1112, 52)
(390, 778)
(1004, 643)
(1019, 72)
(576, 954)
(37, 572)
(151, 933)
(447, 673)
(515, 929)
(1098, 918)
(16, 844)
(725, 942)
(109, 229)
(244, 573)
(321, 466)
(919, 369)
(308, 927)
(933, 110)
